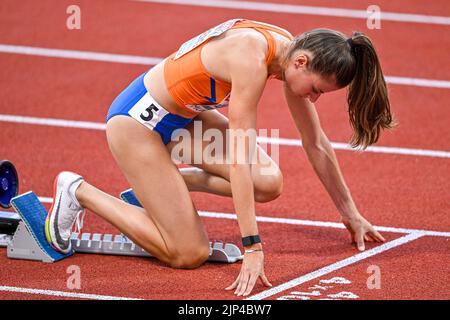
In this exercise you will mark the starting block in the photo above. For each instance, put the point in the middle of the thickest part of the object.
(29, 241)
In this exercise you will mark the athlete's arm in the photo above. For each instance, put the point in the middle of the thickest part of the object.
(247, 85)
(248, 74)
(323, 159)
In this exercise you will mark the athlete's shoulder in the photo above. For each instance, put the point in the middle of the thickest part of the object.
(248, 49)
(272, 27)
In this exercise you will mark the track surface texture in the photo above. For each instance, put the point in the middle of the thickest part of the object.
(405, 194)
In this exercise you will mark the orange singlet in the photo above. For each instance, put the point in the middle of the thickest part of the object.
(187, 80)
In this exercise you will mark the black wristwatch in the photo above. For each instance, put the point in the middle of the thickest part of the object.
(248, 241)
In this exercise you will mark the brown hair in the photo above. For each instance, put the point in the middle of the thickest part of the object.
(351, 62)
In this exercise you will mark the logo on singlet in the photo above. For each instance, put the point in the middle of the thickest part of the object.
(212, 98)
(202, 107)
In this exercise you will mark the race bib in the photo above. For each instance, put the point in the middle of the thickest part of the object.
(198, 40)
(147, 111)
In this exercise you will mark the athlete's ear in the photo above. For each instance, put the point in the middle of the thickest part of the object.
(301, 61)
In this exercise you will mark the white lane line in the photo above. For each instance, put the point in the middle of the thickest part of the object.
(309, 10)
(62, 293)
(374, 149)
(302, 222)
(336, 266)
(128, 59)
(80, 55)
(262, 140)
(417, 82)
(323, 224)
(53, 122)
(45, 199)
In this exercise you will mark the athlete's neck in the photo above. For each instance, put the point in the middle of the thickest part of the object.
(276, 68)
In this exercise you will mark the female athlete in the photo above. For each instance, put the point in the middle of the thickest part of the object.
(227, 65)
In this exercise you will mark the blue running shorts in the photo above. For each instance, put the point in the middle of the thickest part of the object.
(136, 102)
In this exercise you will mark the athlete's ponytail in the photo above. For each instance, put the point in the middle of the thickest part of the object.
(368, 101)
(351, 62)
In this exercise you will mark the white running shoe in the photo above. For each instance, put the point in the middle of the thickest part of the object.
(65, 211)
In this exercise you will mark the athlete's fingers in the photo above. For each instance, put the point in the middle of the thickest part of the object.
(243, 284)
(377, 236)
(354, 240)
(234, 284)
(251, 284)
(374, 238)
(352, 233)
(264, 280)
(360, 241)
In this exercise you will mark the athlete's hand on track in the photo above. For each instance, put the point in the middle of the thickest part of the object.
(252, 269)
(361, 230)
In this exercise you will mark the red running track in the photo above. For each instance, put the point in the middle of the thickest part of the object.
(401, 191)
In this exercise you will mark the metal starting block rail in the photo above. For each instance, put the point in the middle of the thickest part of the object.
(29, 242)
(120, 245)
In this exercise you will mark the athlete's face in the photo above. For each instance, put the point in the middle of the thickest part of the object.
(304, 83)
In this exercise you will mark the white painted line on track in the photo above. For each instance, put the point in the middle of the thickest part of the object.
(374, 149)
(303, 222)
(418, 82)
(45, 199)
(276, 141)
(149, 61)
(62, 293)
(53, 122)
(80, 55)
(323, 224)
(308, 10)
(336, 266)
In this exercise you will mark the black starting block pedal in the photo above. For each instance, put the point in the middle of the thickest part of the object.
(9, 221)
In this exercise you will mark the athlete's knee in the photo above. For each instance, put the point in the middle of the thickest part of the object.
(269, 186)
(190, 258)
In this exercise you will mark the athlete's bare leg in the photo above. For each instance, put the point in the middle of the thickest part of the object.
(215, 177)
(168, 225)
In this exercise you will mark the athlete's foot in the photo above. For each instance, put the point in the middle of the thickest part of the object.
(65, 211)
